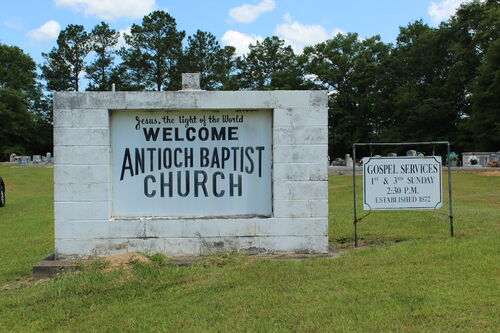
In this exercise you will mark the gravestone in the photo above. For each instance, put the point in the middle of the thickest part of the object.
(348, 160)
(37, 159)
(190, 172)
(25, 160)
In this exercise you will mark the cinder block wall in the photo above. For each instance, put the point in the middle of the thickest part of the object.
(84, 225)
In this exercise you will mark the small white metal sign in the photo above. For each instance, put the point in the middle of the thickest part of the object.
(391, 183)
(191, 163)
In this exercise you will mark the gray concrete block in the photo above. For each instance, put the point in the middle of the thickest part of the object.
(300, 190)
(100, 229)
(81, 174)
(292, 227)
(74, 211)
(81, 136)
(191, 81)
(319, 208)
(283, 244)
(81, 155)
(289, 153)
(78, 191)
(291, 171)
(81, 118)
(71, 248)
(291, 208)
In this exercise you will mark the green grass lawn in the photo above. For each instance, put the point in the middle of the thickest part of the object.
(410, 276)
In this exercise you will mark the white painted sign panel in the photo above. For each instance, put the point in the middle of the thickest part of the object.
(191, 163)
(391, 183)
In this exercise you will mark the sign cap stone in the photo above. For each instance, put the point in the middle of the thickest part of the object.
(191, 81)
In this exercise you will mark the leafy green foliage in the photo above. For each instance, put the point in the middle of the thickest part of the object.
(131, 73)
(484, 122)
(204, 55)
(353, 70)
(24, 112)
(65, 62)
(477, 28)
(17, 69)
(156, 50)
(103, 40)
(15, 120)
(434, 84)
(424, 102)
(270, 64)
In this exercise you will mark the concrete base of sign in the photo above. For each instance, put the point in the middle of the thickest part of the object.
(50, 267)
(193, 237)
(84, 221)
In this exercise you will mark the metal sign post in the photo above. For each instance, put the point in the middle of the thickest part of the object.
(391, 205)
(354, 185)
(449, 190)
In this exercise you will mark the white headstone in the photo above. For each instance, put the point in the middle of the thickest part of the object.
(25, 160)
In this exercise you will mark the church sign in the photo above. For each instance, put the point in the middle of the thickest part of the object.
(190, 172)
(395, 183)
(192, 163)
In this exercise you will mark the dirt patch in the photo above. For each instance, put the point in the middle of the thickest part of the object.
(124, 260)
(488, 173)
(23, 282)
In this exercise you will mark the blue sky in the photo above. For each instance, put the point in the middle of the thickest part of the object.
(33, 25)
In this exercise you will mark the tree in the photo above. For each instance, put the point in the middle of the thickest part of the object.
(64, 63)
(103, 39)
(475, 31)
(17, 69)
(228, 66)
(476, 25)
(156, 50)
(56, 72)
(15, 120)
(130, 73)
(270, 65)
(203, 54)
(352, 69)
(24, 118)
(435, 78)
(484, 123)
(425, 105)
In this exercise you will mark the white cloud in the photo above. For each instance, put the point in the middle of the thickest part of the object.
(299, 35)
(110, 9)
(249, 13)
(239, 40)
(441, 11)
(121, 38)
(46, 32)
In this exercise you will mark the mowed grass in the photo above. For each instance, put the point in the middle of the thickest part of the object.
(409, 276)
(26, 221)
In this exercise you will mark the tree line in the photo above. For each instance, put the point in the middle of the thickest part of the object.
(432, 84)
